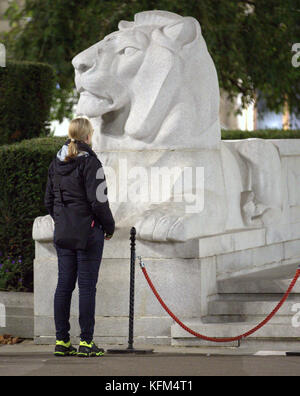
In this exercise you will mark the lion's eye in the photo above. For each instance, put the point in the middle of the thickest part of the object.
(128, 51)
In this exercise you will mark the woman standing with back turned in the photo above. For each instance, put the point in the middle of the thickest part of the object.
(76, 198)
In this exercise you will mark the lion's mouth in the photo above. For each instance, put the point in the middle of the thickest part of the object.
(94, 105)
(106, 99)
(113, 121)
(113, 114)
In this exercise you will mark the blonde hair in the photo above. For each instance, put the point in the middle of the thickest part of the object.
(79, 129)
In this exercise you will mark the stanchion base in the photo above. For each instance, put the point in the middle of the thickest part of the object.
(292, 354)
(130, 350)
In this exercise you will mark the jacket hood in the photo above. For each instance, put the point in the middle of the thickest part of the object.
(63, 167)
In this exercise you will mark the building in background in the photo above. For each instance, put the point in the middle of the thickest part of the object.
(259, 117)
(269, 119)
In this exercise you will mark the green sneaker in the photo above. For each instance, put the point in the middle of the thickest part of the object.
(64, 349)
(89, 350)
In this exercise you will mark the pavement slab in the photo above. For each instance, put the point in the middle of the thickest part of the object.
(28, 359)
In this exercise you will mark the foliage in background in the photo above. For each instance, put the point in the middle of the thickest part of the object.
(250, 41)
(26, 91)
(11, 273)
(261, 134)
(23, 177)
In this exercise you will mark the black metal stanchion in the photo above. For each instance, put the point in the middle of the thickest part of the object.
(130, 348)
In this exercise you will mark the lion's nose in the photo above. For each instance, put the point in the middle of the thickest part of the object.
(82, 65)
(85, 60)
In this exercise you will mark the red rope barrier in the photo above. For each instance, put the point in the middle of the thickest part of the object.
(227, 339)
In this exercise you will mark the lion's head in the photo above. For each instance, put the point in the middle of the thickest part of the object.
(151, 83)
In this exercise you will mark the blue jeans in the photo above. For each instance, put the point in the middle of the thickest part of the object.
(82, 265)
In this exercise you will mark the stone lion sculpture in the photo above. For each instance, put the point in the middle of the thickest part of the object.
(151, 91)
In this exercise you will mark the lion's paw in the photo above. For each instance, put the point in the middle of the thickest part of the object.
(161, 227)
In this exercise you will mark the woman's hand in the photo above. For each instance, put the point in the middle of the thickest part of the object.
(107, 236)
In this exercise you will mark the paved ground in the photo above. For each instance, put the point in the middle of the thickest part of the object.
(27, 359)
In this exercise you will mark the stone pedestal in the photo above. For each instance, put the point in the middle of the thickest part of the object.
(201, 285)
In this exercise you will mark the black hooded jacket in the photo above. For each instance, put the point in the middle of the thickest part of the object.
(83, 187)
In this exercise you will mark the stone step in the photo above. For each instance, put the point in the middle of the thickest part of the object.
(256, 308)
(220, 311)
(17, 314)
(256, 297)
(275, 332)
(19, 311)
(277, 319)
(211, 319)
(16, 299)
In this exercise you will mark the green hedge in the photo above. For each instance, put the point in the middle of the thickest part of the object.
(23, 176)
(26, 92)
(262, 134)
